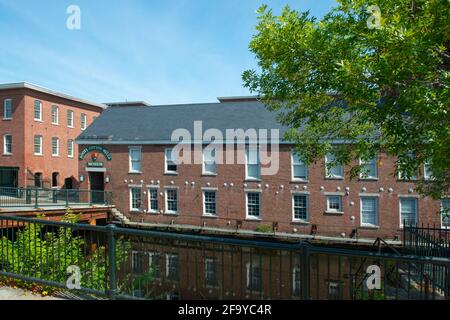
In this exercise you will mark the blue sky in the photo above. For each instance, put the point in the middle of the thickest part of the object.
(162, 52)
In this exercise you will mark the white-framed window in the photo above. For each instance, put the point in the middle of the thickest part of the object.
(7, 109)
(55, 147)
(70, 118)
(55, 115)
(209, 161)
(408, 211)
(299, 169)
(427, 172)
(334, 290)
(136, 262)
(83, 121)
(369, 211)
(296, 281)
(153, 200)
(300, 207)
(172, 201)
(70, 148)
(211, 272)
(172, 267)
(170, 165)
(334, 204)
(7, 144)
(154, 261)
(335, 171)
(37, 110)
(252, 163)
(209, 203)
(38, 145)
(254, 276)
(404, 175)
(253, 204)
(445, 213)
(135, 199)
(369, 169)
(135, 155)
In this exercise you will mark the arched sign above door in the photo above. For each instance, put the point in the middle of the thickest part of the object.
(89, 149)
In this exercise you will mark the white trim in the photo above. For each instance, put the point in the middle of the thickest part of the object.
(328, 210)
(4, 144)
(416, 209)
(81, 121)
(95, 169)
(134, 148)
(54, 106)
(26, 85)
(334, 194)
(441, 214)
(71, 143)
(40, 145)
(293, 207)
(247, 151)
(247, 216)
(131, 199)
(209, 173)
(292, 169)
(40, 111)
(4, 109)
(57, 147)
(165, 162)
(327, 176)
(363, 163)
(377, 213)
(67, 118)
(204, 203)
(149, 188)
(166, 210)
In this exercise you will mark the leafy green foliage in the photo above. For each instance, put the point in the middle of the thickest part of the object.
(42, 254)
(355, 90)
(264, 228)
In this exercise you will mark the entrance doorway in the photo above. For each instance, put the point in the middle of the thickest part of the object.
(97, 183)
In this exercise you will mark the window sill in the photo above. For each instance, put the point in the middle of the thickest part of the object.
(213, 175)
(136, 211)
(253, 219)
(38, 154)
(252, 180)
(209, 216)
(37, 120)
(300, 222)
(334, 178)
(170, 173)
(153, 213)
(55, 156)
(175, 214)
(7, 119)
(369, 179)
(337, 213)
(369, 227)
(55, 124)
(7, 154)
(299, 181)
(69, 127)
(135, 172)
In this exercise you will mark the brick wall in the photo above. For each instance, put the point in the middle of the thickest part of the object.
(276, 201)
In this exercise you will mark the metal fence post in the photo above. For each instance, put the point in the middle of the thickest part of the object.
(67, 198)
(112, 261)
(36, 205)
(305, 272)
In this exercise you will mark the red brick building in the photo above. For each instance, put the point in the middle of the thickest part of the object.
(127, 151)
(38, 128)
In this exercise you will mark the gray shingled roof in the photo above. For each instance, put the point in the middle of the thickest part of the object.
(156, 123)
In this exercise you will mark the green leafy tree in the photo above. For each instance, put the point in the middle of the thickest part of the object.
(362, 79)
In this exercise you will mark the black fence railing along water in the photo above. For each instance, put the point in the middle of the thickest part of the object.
(122, 263)
(38, 197)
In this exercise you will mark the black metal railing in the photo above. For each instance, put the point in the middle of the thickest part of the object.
(426, 240)
(122, 263)
(39, 198)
